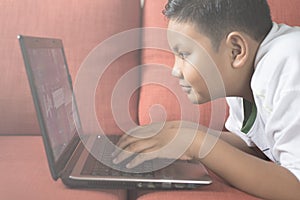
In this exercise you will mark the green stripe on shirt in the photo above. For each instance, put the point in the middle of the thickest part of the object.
(250, 112)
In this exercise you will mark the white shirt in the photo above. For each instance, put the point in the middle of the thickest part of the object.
(276, 89)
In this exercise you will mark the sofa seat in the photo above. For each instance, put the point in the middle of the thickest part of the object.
(25, 174)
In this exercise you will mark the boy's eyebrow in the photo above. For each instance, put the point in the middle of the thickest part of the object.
(175, 48)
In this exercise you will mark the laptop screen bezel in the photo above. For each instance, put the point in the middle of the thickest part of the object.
(27, 42)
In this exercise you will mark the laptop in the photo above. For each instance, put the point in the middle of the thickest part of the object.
(73, 158)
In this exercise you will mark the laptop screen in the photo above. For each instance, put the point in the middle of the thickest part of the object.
(54, 93)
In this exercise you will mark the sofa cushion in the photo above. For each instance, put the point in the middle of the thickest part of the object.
(285, 11)
(25, 174)
(82, 25)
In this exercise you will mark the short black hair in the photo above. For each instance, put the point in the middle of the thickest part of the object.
(217, 18)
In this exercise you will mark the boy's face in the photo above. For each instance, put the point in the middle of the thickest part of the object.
(200, 69)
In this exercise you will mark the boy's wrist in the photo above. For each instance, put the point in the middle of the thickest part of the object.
(203, 143)
(195, 147)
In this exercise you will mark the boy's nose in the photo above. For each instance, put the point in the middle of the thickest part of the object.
(176, 72)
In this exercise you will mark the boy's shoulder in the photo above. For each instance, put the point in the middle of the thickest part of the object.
(283, 38)
(282, 43)
(277, 65)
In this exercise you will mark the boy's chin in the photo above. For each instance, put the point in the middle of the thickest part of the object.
(197, 99)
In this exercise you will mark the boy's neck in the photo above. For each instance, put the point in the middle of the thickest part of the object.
(249, 97)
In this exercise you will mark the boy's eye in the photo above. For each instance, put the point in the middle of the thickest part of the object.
(182, 55)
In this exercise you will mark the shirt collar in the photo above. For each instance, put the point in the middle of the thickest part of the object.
(262, 50)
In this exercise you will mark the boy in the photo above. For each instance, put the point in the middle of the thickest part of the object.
(259, 64)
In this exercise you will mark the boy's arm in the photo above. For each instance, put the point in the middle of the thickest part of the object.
(256, 176)
(237, 142)
(231, 160)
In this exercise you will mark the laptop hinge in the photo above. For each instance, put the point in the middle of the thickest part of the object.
(66, 171)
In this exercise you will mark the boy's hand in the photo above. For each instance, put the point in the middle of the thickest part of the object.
(170, 140)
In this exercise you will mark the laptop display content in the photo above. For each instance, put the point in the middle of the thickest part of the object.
(59, 121)
(53, 89)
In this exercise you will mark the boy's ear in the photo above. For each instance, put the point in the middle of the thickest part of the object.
(238, 49)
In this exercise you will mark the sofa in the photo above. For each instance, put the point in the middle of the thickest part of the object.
(83, 25)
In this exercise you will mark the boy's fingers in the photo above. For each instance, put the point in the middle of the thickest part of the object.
(138, 147)
(136, 133)
(120, 147)
(122, 156)
(142, 157)
(123, 143)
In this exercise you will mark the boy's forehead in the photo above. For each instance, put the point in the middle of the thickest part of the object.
(185, 33)
(179, 31)
(186, 29)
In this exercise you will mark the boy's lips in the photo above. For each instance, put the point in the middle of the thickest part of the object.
(186, 88)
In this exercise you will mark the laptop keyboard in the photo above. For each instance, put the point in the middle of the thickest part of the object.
(104, 149)
(94, 167)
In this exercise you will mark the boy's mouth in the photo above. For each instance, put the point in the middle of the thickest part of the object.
(186, 89)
